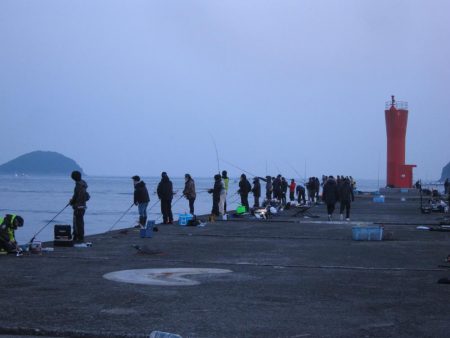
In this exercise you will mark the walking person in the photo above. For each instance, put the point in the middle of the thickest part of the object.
(330, 196)
(292, 190)
(141, 199)
(225, 181)
(345, 198)
(165, 194)
(244, 189)
(189, 192)
(78, 203)
(256, 191)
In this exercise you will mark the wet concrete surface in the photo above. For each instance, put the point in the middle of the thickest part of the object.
(291, 277)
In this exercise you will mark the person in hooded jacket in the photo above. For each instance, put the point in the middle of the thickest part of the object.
(215, 191)
(165, 194)
(141, 199)
(345, 198)
(8, 225)
(244, 189)
(284, 188)
(78, 203)
(189, 192)
(256, 191)
(330, 195)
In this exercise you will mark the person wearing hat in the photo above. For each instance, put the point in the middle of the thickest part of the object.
(189, 192)
(8, 225)
(78, 203)
(165, 194)
(141, 199)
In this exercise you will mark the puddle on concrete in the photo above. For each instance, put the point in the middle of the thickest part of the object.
(162, 277)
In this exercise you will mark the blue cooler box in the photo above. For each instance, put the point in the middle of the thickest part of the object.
(183, 219)
(378, 199)
(370, 233)
(148, 231)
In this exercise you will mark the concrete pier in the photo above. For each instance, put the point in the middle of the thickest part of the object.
(290, 277)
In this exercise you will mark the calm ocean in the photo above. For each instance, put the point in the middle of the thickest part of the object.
(39, 199)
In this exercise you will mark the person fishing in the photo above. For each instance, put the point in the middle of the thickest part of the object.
(225, 181)
(78, 203)
(256, 191)
(244, 189)
(284, 188)
(301, 198)
(189, 192)
(277, 191)
(8, 226)
(292, 190)
(165, 194)
(268, 181)
(141, 199)
(215, 191)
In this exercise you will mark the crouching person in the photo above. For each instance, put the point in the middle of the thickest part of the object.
(8, 226)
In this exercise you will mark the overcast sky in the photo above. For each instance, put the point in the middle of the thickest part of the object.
(126, 87)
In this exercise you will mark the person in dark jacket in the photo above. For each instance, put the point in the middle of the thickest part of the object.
(141, 199)
(276, 184)
(268, 181)
(301, 198)
(256, 191)
(330, 195)
(345, 198)
(284, 188)
(165, 194)
(8, 226)
(78, 203)
(244, 189)
(189, 192)
(218, 186)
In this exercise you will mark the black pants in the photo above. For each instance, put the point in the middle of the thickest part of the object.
(166, 210)
(78, 224)
(283, 198)
(191, 205)
(215, 207)
(291, 196)
(301, 196)
(7, 245)
(268, 195)
(244, 201)
(345, 205)
(256, 201)
(330, 208)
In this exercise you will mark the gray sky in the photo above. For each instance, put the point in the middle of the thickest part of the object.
(127, 87)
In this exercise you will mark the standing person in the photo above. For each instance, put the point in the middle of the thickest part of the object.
(276, 184)
(317, 188)
(8, 226)
(301, 194)
(311, 187)
(225, 181)
(345, 198)
(189, 192)
(222, 198)
(256, 191)
(268, 181)
(165, 194)
(78, 203)
(284, 188)
(244, 189)
(141, 199)
(330, 195)
(292, 190)
(215, 191)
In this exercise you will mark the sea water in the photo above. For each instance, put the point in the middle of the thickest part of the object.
(39, 199)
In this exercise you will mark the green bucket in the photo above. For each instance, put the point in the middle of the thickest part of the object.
(240, 210)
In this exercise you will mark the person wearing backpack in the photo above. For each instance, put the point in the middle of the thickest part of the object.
(78, 203)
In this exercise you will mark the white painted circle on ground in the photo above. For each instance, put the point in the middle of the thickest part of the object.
(161, 277)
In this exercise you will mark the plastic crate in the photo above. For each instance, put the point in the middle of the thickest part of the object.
(146, 233)
(183, 219)
(367, 233)
(378, 199)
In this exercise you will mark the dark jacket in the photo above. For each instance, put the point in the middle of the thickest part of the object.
(141, 193)
(189, 189)
(165, 189)
(80, 196)
(244, 187)
(330, 192)
(256, 188)
(346, 192)
(284, 186)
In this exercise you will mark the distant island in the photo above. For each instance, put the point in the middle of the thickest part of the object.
(445, 172)
(40, 163)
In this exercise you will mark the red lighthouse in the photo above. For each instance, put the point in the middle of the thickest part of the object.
(399, 174)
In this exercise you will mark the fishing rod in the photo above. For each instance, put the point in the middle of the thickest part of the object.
(37, 233)
(245, 171)
(217, 152)
(120, 218)
(299, 175)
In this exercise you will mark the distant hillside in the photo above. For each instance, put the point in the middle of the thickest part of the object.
(40, 163)
(446, 172)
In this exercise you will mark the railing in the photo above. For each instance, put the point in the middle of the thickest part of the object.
(396, 104)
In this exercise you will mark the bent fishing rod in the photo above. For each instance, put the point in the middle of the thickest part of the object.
(245, 171)
(37, 233)
(120, 218)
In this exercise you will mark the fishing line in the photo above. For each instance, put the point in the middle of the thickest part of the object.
(37, 233)
(126, 211)
(217, 152)
(245, 171)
